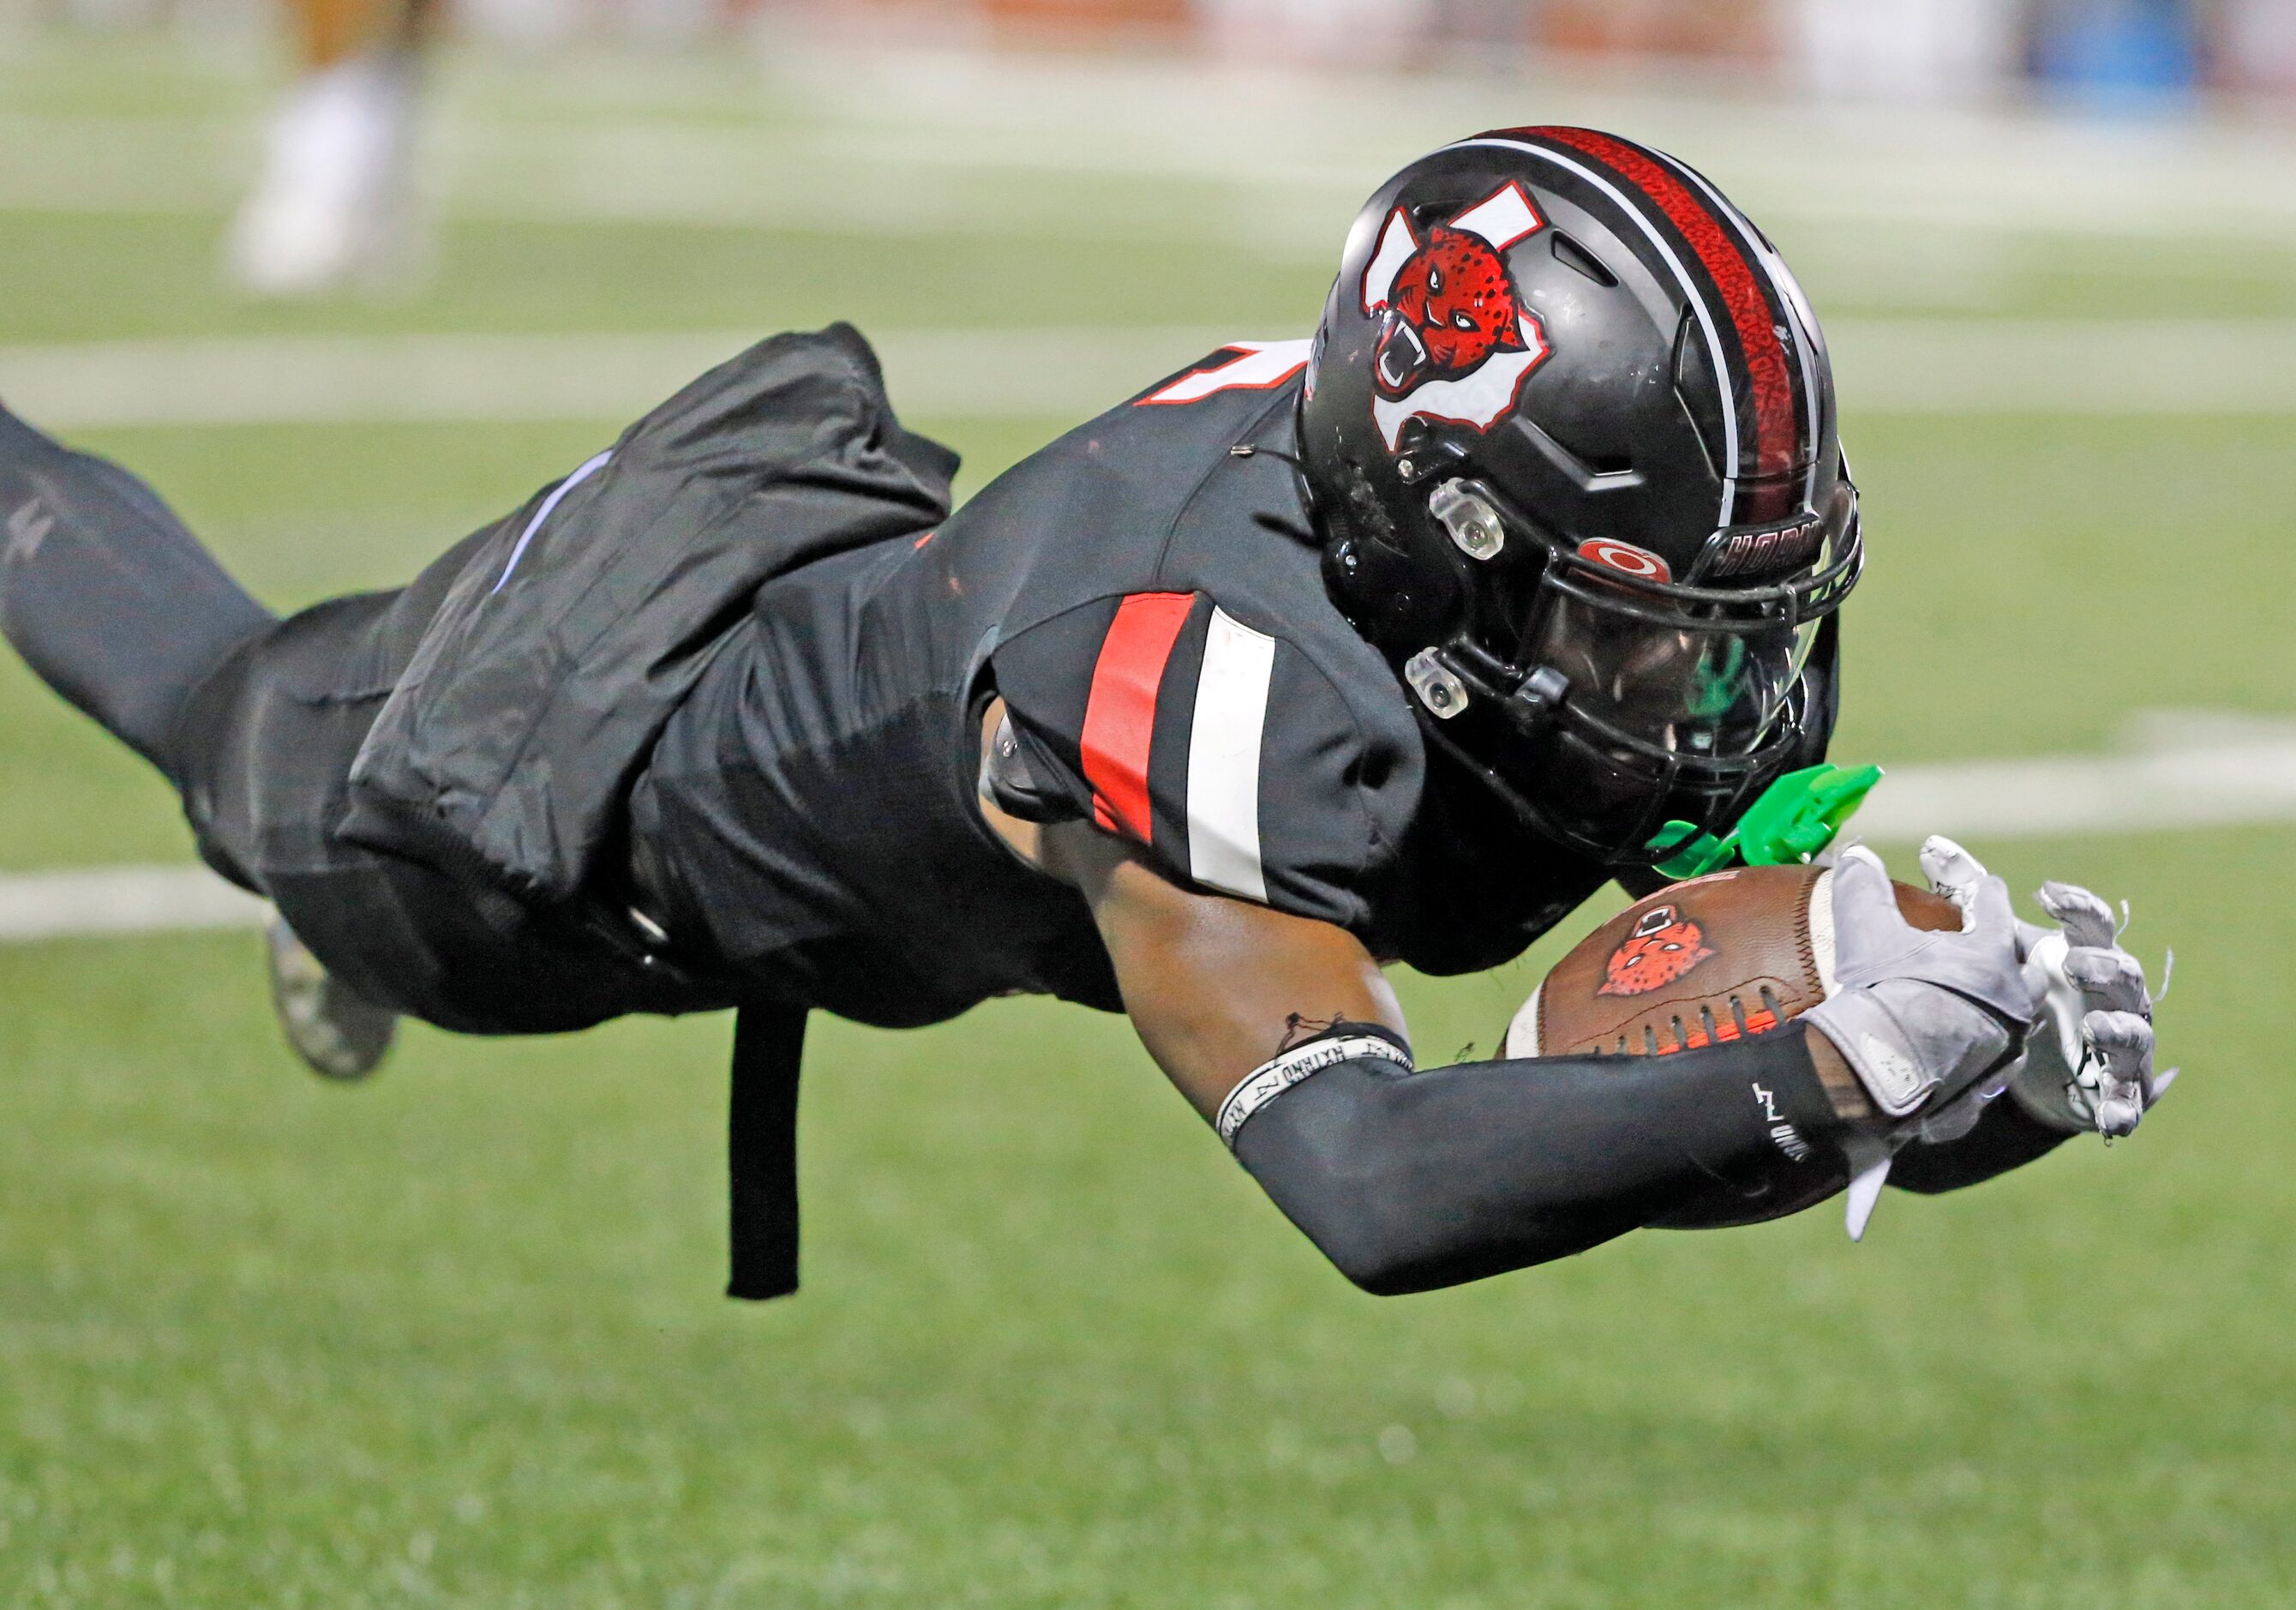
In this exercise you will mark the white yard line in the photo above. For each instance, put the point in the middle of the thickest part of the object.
(1928, 367)
(2117, 368)
(336, 380)
(2177, 769)
(120, 899)
(2183, 771)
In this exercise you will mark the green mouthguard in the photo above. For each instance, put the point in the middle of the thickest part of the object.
(1797, 817)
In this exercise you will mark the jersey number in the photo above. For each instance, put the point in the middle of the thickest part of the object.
(1257, 367)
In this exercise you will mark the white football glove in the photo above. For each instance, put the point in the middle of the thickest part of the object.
(1930, 1022)
(1921, 1017)
(2088, 1064)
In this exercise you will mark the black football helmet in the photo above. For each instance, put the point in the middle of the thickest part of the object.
(1569, 439)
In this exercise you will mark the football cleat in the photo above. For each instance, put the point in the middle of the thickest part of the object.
(339, 1033)
(334, 204)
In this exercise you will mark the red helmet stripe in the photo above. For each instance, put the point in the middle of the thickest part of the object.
(1735, 276)
(1119, 716)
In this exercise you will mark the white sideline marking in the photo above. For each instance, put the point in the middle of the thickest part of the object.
(120, 899)
(2181, 771)
(1925, 367)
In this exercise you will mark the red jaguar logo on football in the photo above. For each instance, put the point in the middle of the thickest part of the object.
(1456, 342)
(1663, 945)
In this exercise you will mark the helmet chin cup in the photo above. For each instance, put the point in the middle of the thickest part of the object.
(1580, 759)
(1575, 757)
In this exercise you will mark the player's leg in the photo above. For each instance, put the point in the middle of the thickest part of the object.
(256, 722)
(106, 594)
(270, 741)
(333, 200)
(120, 609)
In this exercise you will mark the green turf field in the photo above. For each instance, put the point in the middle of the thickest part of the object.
(454, 1339)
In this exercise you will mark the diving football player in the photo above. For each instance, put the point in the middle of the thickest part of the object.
(1392, 645)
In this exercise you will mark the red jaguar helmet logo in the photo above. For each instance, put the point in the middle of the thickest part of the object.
(1453, 307)
(1456, 342)
(1662, 947)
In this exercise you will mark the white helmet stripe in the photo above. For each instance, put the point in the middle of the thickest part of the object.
(1789, 292)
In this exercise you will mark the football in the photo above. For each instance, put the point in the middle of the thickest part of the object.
(1729, 954)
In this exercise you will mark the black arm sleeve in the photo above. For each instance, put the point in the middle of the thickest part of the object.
(2007, 1136)
(1409, 1181)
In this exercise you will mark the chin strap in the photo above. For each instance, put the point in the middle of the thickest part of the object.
(761, 1152)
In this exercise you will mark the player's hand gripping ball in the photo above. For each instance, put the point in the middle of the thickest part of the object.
(1713, 959)
(1747, 952)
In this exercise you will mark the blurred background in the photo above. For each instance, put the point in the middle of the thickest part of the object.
(2111, 51)
(348, 279)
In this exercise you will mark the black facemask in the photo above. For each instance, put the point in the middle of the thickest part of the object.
(1602, 706)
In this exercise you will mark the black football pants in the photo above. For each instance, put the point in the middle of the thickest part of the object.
(256, 722)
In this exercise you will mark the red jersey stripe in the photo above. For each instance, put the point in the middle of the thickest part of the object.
(1119, 716)
(1777, 423)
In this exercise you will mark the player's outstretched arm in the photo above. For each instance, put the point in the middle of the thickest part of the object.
(1283, 1032)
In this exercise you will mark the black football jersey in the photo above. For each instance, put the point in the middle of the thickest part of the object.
(1145, 595)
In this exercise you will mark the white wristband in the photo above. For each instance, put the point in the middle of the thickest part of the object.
(1272, 1078)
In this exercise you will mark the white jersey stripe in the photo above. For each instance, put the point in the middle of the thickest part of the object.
(1224, 740)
